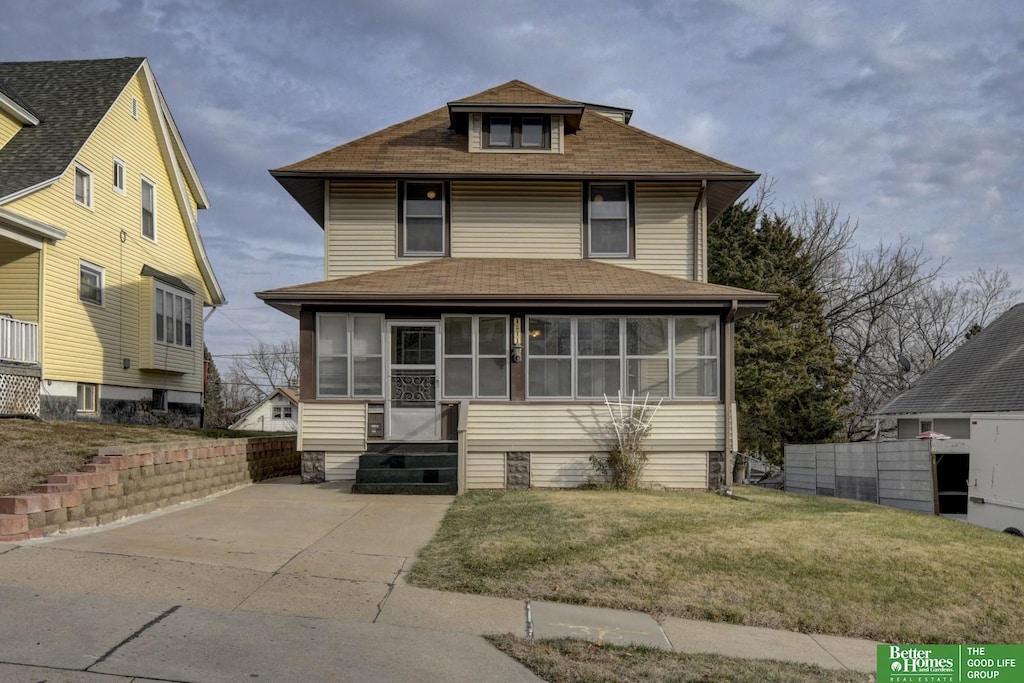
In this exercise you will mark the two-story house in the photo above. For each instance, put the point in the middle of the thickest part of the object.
(493, 270)
(103, 274)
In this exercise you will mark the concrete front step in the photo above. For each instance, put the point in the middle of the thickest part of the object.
(413, 475)
(450, 489)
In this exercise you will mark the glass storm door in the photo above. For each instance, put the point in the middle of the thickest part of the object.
(413, 411)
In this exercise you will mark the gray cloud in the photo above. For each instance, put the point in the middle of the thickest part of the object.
(909, 115)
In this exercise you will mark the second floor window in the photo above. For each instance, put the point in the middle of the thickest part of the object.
(423, 224)
(609, 221)
(148, 209)
(118, 175)
(90, 283)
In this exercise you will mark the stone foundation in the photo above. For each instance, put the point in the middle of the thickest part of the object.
(517, 470)
(122, 412)
(716, 471)
(134, 479)
(314, 467)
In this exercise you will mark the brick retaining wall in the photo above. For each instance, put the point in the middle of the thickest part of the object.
(134, 479)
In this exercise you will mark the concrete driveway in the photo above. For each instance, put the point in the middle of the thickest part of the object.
(278, 581)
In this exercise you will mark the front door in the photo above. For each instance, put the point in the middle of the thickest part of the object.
(412, 408)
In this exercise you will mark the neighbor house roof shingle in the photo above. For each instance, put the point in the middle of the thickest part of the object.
(986, 374)
(70, 98)
(485, 281)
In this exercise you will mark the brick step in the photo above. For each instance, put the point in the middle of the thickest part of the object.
(413, 475)
(406, 461)
(412, 447)
(408, 489)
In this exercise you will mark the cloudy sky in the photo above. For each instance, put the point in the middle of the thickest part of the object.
(909, 115)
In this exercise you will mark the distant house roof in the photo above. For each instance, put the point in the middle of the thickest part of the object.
(433, 146)
(512, 281)
(986, 374)
(70, 98)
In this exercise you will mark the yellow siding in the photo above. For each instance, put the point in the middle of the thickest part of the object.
(19, 281)
(664, 229)
(9, 126)
(338, 429)
(516, 219)
(362, 229)
(87, 343)
(562, 437)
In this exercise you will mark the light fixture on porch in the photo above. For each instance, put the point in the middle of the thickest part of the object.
(431, 194)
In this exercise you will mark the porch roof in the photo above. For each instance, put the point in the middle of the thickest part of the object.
(506, 282)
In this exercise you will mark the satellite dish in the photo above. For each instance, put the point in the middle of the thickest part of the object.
(904, 363)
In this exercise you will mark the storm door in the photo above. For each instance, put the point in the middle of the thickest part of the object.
(412, 408)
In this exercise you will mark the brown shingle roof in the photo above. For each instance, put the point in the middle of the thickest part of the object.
(426, 145)
(430, 146)
(450, 281)
(514, 92)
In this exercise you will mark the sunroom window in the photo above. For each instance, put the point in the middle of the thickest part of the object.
(173, 316)
(349, 358)
(475, 356)
(591, 357)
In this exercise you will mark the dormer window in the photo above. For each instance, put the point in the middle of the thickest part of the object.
(526, 131)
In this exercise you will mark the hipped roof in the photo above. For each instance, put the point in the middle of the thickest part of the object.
(507, 282)
(430, 146)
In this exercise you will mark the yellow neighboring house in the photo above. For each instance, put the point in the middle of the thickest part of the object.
(103, 274)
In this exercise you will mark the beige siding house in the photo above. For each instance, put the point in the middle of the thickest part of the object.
(103, 273)
(493, 270)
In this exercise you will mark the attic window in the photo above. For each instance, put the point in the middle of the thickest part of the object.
(530, 131)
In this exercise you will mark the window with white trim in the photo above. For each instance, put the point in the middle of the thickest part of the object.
(118, 175)
(90, 283)
(148, 210)
(423, 219)
(475, 356)
(523, 132)
(172, 316)
(609, 221)
(86, 398)
(349, 355)
(282, 413)
(83, 186)
(549, 357)
(588, 357)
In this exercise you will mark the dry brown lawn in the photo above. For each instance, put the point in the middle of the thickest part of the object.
(31, 451)
(815, 565)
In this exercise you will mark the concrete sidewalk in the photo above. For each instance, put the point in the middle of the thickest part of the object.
(254, 568)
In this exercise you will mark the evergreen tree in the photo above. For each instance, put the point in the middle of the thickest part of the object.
(215, 414)
(790, 382)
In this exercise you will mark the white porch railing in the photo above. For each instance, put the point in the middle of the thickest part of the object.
(19, 340)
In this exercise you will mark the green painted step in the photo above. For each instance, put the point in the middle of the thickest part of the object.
(404, 461)
(414, 475)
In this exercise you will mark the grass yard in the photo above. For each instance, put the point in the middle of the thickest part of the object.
(815, 565)
(573, 661)
(31, 451)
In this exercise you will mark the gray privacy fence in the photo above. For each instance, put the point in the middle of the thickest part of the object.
(894, 473)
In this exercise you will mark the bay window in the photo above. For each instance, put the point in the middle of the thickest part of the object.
(173, 316)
